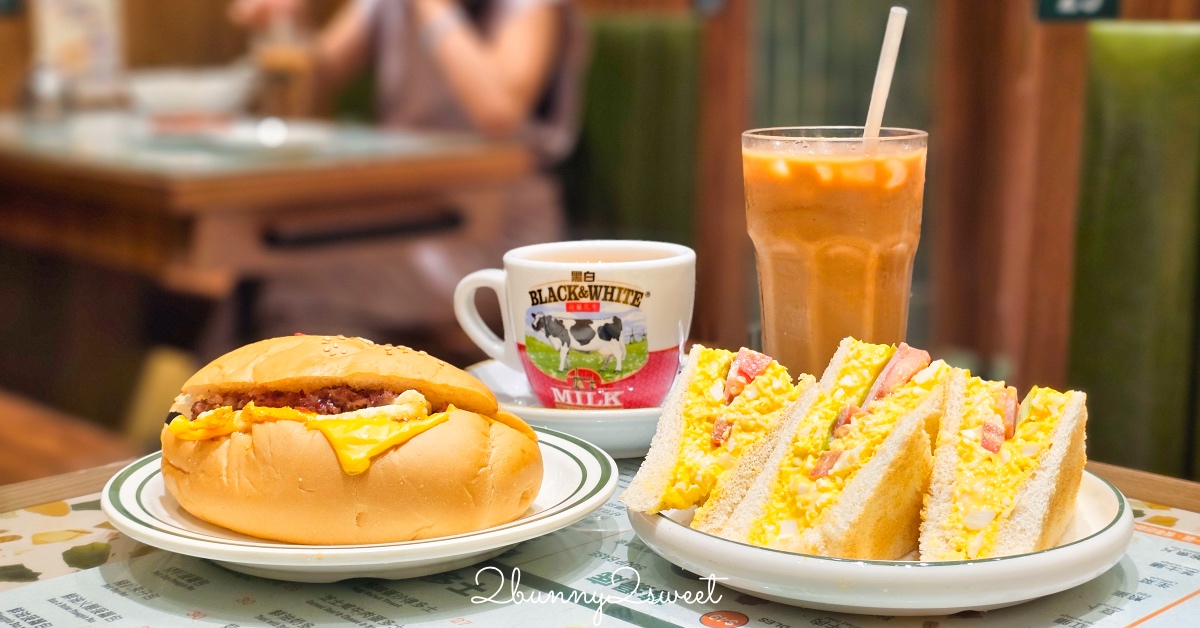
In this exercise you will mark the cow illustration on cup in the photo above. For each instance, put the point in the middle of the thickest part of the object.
(599, 336)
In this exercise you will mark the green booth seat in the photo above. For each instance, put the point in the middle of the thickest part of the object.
(1133, 335)
(633, 172)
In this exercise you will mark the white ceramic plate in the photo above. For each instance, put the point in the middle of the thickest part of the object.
(1095, 541)
(578, 479)
(221, 90)
(622, 433)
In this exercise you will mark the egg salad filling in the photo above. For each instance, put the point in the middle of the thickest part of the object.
(703, 459)
(862, 366)
(986, 484)
(824, 474)
(356, 437)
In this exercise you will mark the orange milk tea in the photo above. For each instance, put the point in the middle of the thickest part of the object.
(835, 232)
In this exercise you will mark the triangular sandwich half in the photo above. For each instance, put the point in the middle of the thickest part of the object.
(848, 379)
(722, 408)
(852, 487)
(1005, 478)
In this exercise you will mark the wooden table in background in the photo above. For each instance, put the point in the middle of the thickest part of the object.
(36, 442)
(197, 216)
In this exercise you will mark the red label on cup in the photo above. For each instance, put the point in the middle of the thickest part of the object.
(583, 387)
(588, 345)
(583, 306)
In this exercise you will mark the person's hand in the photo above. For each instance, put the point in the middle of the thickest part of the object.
(261, 13)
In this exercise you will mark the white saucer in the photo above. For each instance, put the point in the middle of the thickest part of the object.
(578, 479)
(624, 433)
(1095, 540)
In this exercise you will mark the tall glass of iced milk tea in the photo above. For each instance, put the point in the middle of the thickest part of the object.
(835, 224)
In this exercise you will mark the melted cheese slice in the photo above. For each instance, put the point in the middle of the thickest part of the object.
(356, 437)
(862, 365)
(226, 420)
(753, 413)
(986, 483)
(357, 441)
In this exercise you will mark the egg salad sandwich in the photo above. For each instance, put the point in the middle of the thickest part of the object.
(1005, 476)
(331, 440)
(721, 413)
(849, 480)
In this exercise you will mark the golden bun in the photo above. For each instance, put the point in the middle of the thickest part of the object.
(293, 363)
(282, 481)
(479, 468)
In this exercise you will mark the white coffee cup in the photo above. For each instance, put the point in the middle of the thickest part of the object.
(593, 323)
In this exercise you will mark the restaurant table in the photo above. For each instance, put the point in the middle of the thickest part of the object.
(62, 563)
(37, 441)
(198, 212)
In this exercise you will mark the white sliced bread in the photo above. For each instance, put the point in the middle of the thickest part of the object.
(645, 491)
(1043, 505)
(732, 486)
(877, 516)
(758, 479)
(938, 501)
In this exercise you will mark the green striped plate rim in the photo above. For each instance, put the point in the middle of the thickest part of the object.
(575, 450)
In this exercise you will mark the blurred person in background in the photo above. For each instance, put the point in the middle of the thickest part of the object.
(502, 68)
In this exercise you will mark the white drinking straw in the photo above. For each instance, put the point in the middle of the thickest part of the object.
(883, 74)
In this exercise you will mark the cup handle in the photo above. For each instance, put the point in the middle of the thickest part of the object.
(501, 349)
